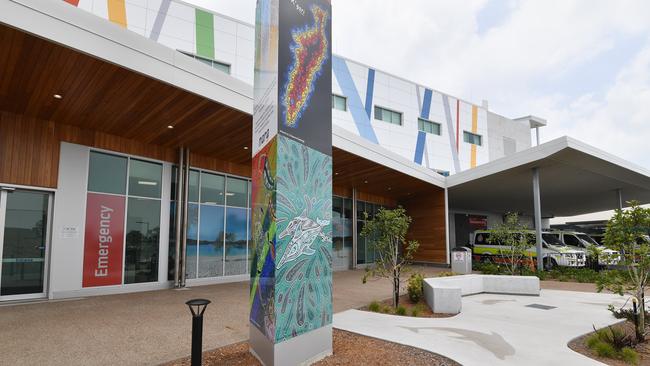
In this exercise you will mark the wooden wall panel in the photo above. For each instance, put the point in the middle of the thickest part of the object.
(428, 226)
(374, 198)
(29, 151)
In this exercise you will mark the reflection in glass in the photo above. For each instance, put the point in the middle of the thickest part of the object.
(142, 240)
(191, 258)
(211, 241)
(106, 173)
(237, 192)
(23, 256)
(212, 187)
(145, 178)
(193, 191)
(361, 244)
(236, 234)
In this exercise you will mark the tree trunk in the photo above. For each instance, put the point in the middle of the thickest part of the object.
(395, 289)
(640, 324)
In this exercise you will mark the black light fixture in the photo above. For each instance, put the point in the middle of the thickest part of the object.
(197, 307)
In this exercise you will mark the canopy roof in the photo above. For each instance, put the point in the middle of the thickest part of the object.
(575, 178)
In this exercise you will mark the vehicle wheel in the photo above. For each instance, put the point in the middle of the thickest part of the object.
(549, 264)
(486, 259)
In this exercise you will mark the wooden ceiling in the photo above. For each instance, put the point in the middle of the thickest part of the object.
(353, 171)
(105, 97)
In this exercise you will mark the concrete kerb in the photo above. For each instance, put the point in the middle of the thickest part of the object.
(444, 294)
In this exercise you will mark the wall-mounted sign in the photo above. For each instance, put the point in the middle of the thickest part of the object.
(103, 240)
(478, 222)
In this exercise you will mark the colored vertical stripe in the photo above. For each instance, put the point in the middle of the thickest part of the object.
(160, 20)
(204, 34)
(349, 89)
(369, 91)
(450, 133)
(419, 147)
(72, 2)
(474, 130)
(426, 105)
(422, 136)
(458, 125)
(117, 12)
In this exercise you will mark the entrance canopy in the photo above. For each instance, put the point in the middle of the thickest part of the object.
(575, 179)
(72, 67)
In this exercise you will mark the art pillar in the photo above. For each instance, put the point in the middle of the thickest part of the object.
(291, 269)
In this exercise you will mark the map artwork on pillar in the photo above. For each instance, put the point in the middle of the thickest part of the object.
(303, 290)
(263, 226)
(305, 72)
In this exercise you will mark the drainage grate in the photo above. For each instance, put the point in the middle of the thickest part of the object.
(540, 306)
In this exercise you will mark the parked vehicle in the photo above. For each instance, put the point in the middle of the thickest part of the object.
(554, 252)
(581, 241)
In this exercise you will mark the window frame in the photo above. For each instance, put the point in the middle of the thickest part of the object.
(345, 102)
(423, 121)
(400, 114)
(211, 61)
(474, 136)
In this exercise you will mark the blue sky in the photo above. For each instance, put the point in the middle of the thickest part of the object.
(584, 65)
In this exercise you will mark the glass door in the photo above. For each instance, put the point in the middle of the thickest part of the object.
(24, 236)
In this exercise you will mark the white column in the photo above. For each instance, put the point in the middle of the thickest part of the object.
(538, 219)
(619, 196)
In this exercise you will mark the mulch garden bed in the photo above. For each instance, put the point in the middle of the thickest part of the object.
(349, 349)
(424, 309)
(643, 350)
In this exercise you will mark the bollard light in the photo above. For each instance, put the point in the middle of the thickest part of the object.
(197, 307)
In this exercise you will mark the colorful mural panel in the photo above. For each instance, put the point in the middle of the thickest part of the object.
(303, 289)
(263, 227)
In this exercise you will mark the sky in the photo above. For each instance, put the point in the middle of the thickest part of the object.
(583, 65)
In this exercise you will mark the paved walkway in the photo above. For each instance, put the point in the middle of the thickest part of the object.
(145, 328)
(497, 329)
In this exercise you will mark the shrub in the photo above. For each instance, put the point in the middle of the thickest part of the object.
(625, 313)
(447, 274)
(417, 310)
(414, 287)
(592, 340)
(489, 268)
(374, 307)
(603, 349)
(400, 310)
(629, 356)
(386, 309)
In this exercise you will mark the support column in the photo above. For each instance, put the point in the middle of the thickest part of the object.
(537, 134)
(291, 274)
(619, 198)
(354, 229)
(538, 219)
(178, 216)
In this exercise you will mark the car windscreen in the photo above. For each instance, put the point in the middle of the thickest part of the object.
(551, 239)
(588, 239)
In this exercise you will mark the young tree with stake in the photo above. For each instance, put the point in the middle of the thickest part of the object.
(387, 234)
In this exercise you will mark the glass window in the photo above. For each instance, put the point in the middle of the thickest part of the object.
(211, 236)
(387, 115)
(347, 208)
(191, 253)
(237, 194)
(193, 192)
(25, 235)
(337, 207)
(552, 239)
(339, 102)
(361, 207)
(572, 240)
(142, 233)
(482, 239)
(221, 66)
(171, 257)
(472, 138)
(236, 235)
(145, 179)
(429, 126)
(107, 173)
(212, 186)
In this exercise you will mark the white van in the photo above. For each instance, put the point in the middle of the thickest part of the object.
(581, 241)
(554, 253)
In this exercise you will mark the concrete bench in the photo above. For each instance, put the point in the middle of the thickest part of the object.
(443, 294)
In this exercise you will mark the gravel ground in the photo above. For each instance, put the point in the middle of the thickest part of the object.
(349, 349)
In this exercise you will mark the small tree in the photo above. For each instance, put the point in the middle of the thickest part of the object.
(387, 233)
(513, 241)
(625, 233)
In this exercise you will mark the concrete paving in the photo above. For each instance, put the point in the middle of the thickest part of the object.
(145, 328)
(497, 329)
